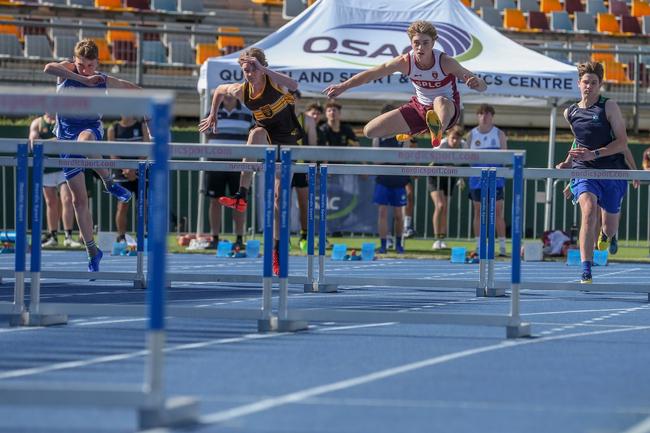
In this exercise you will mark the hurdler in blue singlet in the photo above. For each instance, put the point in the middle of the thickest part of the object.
(69, 127)
(593, 131)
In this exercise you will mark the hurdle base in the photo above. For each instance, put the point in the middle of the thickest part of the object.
(38, 319)
(326, 288)
(176, 411)
(292, 325)
(310, 287)
(495, 293)
(139, 284)
(518, 331)
(267, 325)
(15, 319)
(480, 292)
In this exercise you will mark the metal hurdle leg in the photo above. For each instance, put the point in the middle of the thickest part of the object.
(268, 322)
(482, 246)
(490, 290)
(516, 328)
(284, 324)
(312, 286)
(35, 317)
(321, 285)
(140, 280)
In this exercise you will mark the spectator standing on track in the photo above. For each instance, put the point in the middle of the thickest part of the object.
(601, 141)
(42, 128)
(81, 72)
(127, 129)
(440, 189)
(487, 136)
(390, 191)
(436, 106)
(235, 122)
(266, 94)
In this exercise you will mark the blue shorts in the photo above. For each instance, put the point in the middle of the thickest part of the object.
(71, 134)
(389, 196)
(609, 193)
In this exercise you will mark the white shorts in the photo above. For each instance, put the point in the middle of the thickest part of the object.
(54, 179)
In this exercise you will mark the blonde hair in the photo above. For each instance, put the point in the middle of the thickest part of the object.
(258, 53)
(591, 68)
(86, 48)
(424, 27)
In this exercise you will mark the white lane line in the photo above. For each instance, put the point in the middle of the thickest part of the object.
(574, 311)
(343, 328)
(642, 427)
(105, 322)
(294, 397)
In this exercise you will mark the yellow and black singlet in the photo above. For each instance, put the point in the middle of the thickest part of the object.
(274, 110)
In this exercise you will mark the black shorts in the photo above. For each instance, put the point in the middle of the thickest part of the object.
(440, 183)
(216, 181)
(299, 180)
(475, 194)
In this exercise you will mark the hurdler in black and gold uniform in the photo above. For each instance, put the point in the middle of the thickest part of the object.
(274, 110)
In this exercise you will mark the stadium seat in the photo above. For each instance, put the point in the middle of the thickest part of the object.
(190, 6)
(268, 2)
(560, 22)
(528, 5)
(205, 51)
(616, 73)
(82, 3)
(104, 52)
(164, 5)
(602, 57)
(37, 46)
(142, 5)
(492, 17)
(626, 58)
(596, 7)
(513, 19)
(124, 51)
(630, 25)
(573, 6)
(230, 43)
(53, 2)
(537, 21)
(202, 39)
(64, 46)
(584, 22)
(63, 31)
(645, 25)
(504, 4)
(618, 8)
(466, 3)
(119, 35)
(10, 45)
(478, 4)
(607, 23)
(109, 4)
(9, 29)
(557, 55)
(87, 32)
(167, 38)
(548, 6)
(153, 51)
(640, 8)
(180, 52)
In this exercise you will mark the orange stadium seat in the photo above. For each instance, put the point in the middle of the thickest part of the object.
(467, 3)
(104, 52)
(513, 19)
(640, 8)
(9, 29)
(229, 43)
(615, 72)
(602, 57)
(205, 51)
(548, 6)
(109, 4)
(606, 23)
(119, 35)
(268, 2)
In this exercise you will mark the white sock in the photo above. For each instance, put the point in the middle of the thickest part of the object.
(407, 221)
(502, 244)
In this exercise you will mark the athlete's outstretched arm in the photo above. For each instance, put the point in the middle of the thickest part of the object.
(65, 71)
(222, 90)
(398, 64)
(451, 66)
(278, 78)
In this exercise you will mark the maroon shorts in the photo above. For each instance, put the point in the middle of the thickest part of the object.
(415, 113)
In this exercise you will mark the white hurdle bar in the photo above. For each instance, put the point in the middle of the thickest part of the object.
(153, 408)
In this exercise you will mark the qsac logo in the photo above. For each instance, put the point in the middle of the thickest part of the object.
(368, 44)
